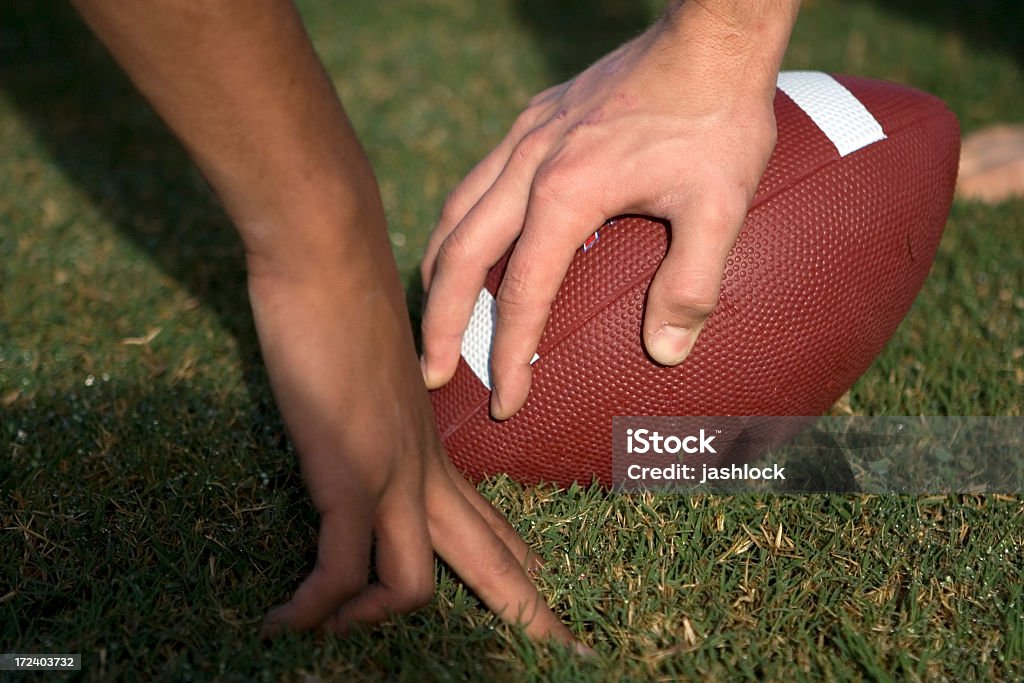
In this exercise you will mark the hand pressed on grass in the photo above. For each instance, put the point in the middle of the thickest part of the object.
(240, 84)
(360, 418)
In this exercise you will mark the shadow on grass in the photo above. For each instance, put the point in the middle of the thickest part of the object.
(110, 144)
(151, 532)
(116, 498)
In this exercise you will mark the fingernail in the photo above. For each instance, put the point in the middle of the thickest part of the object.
(423, 369)
(496, 411)
(583, 649)
(670, 345)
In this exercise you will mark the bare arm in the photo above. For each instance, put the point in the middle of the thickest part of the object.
(240, 84)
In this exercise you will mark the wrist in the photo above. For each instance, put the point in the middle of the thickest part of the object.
(307, 224)
(733, 22)
(742, 41)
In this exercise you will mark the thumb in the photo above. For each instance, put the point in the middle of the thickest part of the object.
(685, 289)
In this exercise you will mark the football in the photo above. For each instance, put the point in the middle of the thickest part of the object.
(839, 238)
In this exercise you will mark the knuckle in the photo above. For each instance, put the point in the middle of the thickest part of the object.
(527, 119)
(500, 566)
(454, 249)
(494, 570)
(516, 295)
(559, 184)
(693, 308)
(338, 586)
(453, 208)
(691, 302)
(548, 182)
(413, 596)
(533, 145)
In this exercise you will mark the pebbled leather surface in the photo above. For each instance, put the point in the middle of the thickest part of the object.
(832, 255)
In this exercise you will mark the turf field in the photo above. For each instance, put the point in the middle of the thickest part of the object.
(151, 509)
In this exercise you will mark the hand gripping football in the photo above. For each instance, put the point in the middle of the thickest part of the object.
(838, 241)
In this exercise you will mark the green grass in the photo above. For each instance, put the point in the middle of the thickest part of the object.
(151, 510)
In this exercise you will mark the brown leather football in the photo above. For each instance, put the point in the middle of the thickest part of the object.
(838, 241)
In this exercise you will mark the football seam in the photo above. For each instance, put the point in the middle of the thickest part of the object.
(649, 272)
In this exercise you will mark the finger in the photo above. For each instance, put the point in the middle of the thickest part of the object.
(404, 562)
(554, 229)
(498, 523)
(341, 571)
(469, 251)
(469, 546)
(483, 176)
(685, 288)
(459, 203)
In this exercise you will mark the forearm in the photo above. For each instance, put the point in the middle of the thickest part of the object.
(741, 41)
(239, 83)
